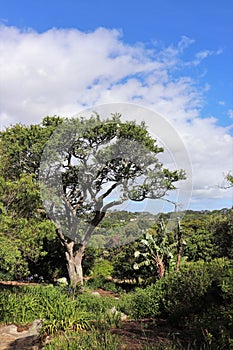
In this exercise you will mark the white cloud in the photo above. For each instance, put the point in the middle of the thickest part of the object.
(200, 56)
(230, 113)
(62, 71)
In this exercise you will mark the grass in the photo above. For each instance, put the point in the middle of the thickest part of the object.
(95, 340)
(84, 321)
(54, 305)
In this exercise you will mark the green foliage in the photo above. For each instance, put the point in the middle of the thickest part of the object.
(102, 267)
(157, 251)
(103, 283)
(198, 297)
(221, 228)
(93, 304)
(208, 235)
(57, 309)
(88, 262)
(145, 304)
(195, 287)
(95, 340)
(123, 263)
(23, 220)
(50, 263)
(12, 263)
(142, 303)
(22, 244)
(98, 156)
(22, 146)
(198, 238)
(23, 224)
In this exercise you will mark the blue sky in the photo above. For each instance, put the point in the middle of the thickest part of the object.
(173, 56)
(209, 23)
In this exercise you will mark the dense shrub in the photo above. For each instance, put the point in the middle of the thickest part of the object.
(12, 263)
(198, 296)
(142, 303)
(104, 283)
(196, 287)
(102, 267)
(94, 304)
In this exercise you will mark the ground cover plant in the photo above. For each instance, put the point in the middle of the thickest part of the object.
(191, 309)
(22, 305)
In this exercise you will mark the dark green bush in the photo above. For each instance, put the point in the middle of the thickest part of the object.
(142, 303)
(104, 283)
(196, 287)
(181, 296)
(199, 296)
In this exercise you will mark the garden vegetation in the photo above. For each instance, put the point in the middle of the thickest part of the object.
(174, 278)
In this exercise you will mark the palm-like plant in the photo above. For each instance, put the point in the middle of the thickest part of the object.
(157, 250)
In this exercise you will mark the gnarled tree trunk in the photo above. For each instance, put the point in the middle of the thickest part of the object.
(73, 255)
(74, 263)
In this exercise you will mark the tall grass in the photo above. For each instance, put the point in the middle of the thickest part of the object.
(95, 340)
(53, 305)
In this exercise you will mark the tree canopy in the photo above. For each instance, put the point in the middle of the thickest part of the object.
(91, 165)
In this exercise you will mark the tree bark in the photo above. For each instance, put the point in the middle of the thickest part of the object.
(74, 263)
(160, 266)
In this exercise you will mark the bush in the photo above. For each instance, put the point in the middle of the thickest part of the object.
(181, 295)
(102, 282)
(198, 296)
(93, 304)
(13, 266)
(102, 267)
(196, 287)
(142, 303)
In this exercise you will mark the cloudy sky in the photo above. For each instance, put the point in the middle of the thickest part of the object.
(171, 57)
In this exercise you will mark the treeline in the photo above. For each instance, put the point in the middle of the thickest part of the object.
(29, 245)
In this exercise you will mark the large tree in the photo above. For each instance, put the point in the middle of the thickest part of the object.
(92, 165)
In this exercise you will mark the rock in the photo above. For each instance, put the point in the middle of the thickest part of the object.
(12, 330)
(35, 327)
(113, 310)
(27, 339)
(62, 281)
(96, 293)
(123, 317)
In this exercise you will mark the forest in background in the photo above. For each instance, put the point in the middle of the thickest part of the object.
(31, 250)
